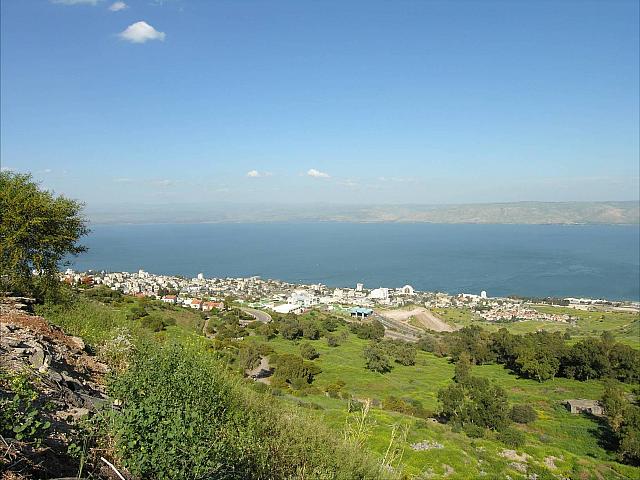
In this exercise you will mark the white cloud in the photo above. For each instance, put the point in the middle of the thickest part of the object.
(117, 6)
(312, 172)
(257, 174)
(76, 2)
(140, 32)
(122, 180)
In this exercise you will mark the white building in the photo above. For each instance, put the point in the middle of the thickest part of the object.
(201, 276)
(379, 294)
(288, 308)
(302, 298)
(407, 290)
(359, 287)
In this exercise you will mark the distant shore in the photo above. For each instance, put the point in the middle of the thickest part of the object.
(519, 213)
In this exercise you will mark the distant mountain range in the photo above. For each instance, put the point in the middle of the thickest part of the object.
(619, 213)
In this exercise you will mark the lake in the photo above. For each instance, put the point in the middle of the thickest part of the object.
(597, 261)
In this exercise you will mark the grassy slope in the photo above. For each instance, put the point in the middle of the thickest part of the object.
(556, 433)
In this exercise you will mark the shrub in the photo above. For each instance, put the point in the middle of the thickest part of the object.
(368, 331)
(512, 437)
(184, 416)
(333, 390)
(523, 414)
(20, 417)
(474, 431)
(156, 323)
(408, 406)
(308, 352)
(332, 341)
(136, 311)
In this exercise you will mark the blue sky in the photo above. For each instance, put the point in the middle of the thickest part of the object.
(336, 101)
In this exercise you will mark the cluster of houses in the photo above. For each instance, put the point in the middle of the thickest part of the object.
(518, 312)
(193, 303)
(203, 293)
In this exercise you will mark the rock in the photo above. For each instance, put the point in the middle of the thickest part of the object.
(77, 343)
(55, 376)
(77, 413)
(37, 358)
(94, 403)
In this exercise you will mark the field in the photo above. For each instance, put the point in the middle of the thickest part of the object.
(625, 326)
(570, 442)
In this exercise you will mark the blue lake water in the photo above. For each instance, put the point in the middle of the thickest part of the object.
(532, 260)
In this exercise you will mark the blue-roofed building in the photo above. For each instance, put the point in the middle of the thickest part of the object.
(360, 312)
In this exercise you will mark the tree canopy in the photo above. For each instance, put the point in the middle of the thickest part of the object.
(38, 229)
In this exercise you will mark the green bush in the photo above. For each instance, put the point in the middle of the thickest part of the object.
(376, 358)
(523, 414)
(474, 431)
(184, 416)
(332, 341)
(512, 437)
(308, 352)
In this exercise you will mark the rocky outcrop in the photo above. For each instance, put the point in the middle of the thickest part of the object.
(68, 383)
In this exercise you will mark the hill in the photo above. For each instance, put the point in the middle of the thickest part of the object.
(617, 213)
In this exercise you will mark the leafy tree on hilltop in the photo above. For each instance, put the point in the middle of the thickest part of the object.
(37, 231)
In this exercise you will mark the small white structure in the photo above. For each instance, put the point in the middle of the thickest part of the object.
(483, 294)
(201, 276)
(359, 287)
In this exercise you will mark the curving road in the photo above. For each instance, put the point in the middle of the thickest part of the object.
(259, 315)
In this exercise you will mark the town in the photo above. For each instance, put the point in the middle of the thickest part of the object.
(205, 294)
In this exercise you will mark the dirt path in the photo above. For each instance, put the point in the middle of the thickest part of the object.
(423, 316)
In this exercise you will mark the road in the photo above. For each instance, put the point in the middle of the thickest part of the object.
(259, 315)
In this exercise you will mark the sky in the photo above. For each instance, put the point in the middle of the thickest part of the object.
(345, 102)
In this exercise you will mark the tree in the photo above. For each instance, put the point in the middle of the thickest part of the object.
(290, 329)
(587, 359)
(37, 231)
(477, 402)
(249, 357)
(624, 420)
(463, 369)
(293, 370)
(376, 359)
(310, 330)
(615, 405)
(537, 363)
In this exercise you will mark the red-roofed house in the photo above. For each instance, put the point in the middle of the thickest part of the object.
(169, 299)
